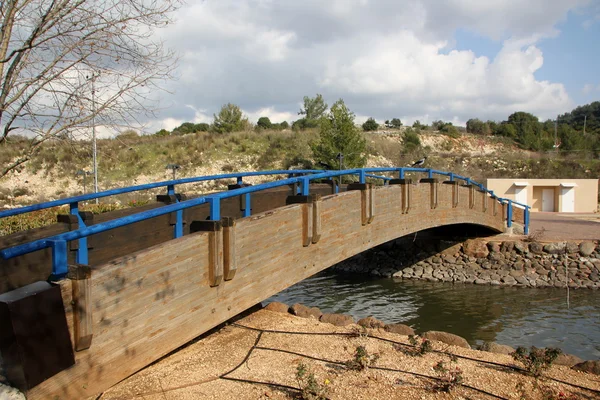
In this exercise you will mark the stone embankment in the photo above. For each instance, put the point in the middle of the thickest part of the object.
(484, 261)
(300, 310)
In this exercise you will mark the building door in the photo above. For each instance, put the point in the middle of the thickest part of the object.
(568, 199)
(521, 194)
(548, 200)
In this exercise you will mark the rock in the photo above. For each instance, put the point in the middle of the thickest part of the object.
(509, 280)
(507, 247)
(448, 338)
(494, 247)
(555, 248)
(452, 250)
(567, 359)
(592, 367)
(475, 248)
(481, 282)
(521, 247)
(397, 274)
(301, 310)
(536, 248)
(450, 259)
(586, 248)
(370, 322)
(572, 247)
(400, 329)
(10, 393)
(277, 307)
(516, 273)
(337, 319)
(493, 347)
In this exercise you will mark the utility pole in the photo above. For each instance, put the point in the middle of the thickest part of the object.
(94, 149)
(556, 134)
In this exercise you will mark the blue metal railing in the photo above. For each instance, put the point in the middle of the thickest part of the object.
(58, 243)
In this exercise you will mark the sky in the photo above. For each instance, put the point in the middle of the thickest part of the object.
(410, 59)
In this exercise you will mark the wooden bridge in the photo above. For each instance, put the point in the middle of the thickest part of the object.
(130, 286)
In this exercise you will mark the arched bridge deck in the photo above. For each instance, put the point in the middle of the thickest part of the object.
(125, 313)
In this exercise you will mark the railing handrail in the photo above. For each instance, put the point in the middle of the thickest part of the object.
(214, 200)
(147, 186)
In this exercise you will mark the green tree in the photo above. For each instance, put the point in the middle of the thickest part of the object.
(313, 109)
(185, 128)
(507, 130)
(230, 119)
(201, 127)
(528, 129)
(419, 126)
(396, 123)
(478, 127)
(264, 123)
(370, 125)
(284, 125)
(163, 132)
(338, 134)
(410, 141)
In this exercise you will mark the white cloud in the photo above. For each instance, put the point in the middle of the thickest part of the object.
(588, 88)
(384, 58)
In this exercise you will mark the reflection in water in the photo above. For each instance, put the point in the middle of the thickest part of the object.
(513, 316)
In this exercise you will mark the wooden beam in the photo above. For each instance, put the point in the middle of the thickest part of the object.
(229, 264)
(81, 276)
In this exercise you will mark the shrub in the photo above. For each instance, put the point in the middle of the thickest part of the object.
(395, 123)
(370, 125)
(450, 377)
(362, 359)
(162, 132)
(264, 123)
(310, 389)
(229, 119)
(535, 360)
(410, 141)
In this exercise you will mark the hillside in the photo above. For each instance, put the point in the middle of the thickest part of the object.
(131, 159)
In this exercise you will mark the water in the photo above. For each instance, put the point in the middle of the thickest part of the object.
(507, 315)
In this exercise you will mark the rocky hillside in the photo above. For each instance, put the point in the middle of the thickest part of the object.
(129, 159)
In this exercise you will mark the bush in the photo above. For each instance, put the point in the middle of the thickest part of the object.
(410, 141)
(536, 360)
(370, 125)
(362, 359)
(229, 119)
(310, 389)
(162, 132)
(264, 123)
(419, 126)
(395, 123)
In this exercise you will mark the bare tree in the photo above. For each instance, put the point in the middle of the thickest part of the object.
(66, 63)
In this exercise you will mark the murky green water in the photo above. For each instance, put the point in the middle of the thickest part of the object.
(513, 316)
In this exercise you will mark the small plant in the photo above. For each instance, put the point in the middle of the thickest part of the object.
(422, 345)
(450, 377)
(362, 359)
(310, 389)
(535, 360)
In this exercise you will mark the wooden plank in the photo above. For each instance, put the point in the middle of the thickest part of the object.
(316, 223)
(81, 277)
(229, 264)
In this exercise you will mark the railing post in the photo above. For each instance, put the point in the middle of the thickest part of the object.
(451, 176)
(81, 256)
(178, 232)
(248, 205)
(430, 173)
(362, 176)
(59, 259)
(215, 208)
(240, 180)
(305, 186)
(401, 173)
(526, 220)
(509, 213)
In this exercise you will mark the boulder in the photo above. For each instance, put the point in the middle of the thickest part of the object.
(521, 247)
(555, 248)
(400, 329)
(572, 247)
(448, 338)
(10, 393)
(305, 312)
(586, 248)
(536, 248)
(370, 322)
(567, 359)
(337, 319)
(493, 347)
(593, 367)
(475, 248)
(494, 247)
(507, 247)
(277, 307)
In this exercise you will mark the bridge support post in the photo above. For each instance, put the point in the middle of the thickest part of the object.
(433, 190)
(455, 191)
(405, 191)
(179, 218)
(215, 248)
(366, 201)
(229, 265)
(311, 216)
(471, 195)
(484, 201)
(245, 201)
(76, 220)
(81, 282)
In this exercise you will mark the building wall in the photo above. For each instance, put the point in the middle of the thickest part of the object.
(586, 192)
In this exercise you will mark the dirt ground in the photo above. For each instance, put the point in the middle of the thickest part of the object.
(565, 226)
(241, 363)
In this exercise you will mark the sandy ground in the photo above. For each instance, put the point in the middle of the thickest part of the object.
(212, 367)
(565, 226)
